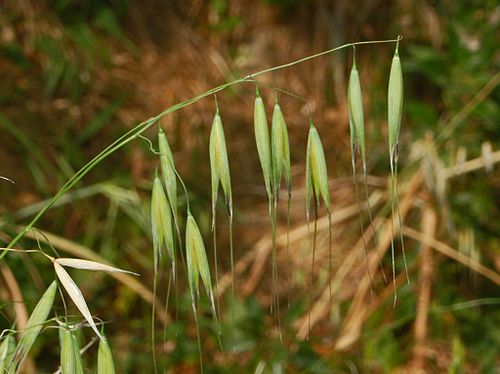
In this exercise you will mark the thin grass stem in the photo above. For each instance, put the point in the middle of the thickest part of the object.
(361, 225)
(375, 239)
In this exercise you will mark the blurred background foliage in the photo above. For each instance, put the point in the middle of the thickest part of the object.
(75, 75)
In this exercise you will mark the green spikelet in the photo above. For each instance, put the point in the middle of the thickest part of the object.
(219, 165)
(71, 361)
(263, 146)
(280, 150)
(395, 106)
(161, 224)
(197, 263)
(356, 116)
(316, 171)
(168, 172)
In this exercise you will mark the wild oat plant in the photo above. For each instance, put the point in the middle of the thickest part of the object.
(167, 222)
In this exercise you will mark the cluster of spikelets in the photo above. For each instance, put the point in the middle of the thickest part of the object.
(164, 222)
(274, 155)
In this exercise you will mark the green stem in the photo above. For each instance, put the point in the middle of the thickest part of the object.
(315, 233)
(167, 299)
(361, 225)
(289, 208)
(392, 241)
(400, 221)
(231, 253)
(197, 335)
(216, 266)
(371, 222)
(153, 317)
(275, 265)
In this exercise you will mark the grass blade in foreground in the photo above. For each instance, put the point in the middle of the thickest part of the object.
(34, 325)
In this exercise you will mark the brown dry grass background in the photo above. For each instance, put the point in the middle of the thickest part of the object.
(176, 50)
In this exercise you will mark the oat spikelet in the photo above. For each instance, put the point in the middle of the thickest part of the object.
(263, 146)
(71, 361)
(161, 224)
(197, 263)
(168, 172)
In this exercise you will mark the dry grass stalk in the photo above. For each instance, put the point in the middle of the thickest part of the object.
(15, 295)
(454, 254)
(429, 221)
(262, 249)
(351, 328)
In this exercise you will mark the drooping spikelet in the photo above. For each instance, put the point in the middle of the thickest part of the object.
(105, 364)
(161, 224)
(395, 106)
(168, 172)
(280, 150)
(219, 165)
(71, 361)
(356, 116)
(197, 262)
(316, 171)
(263, 146)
